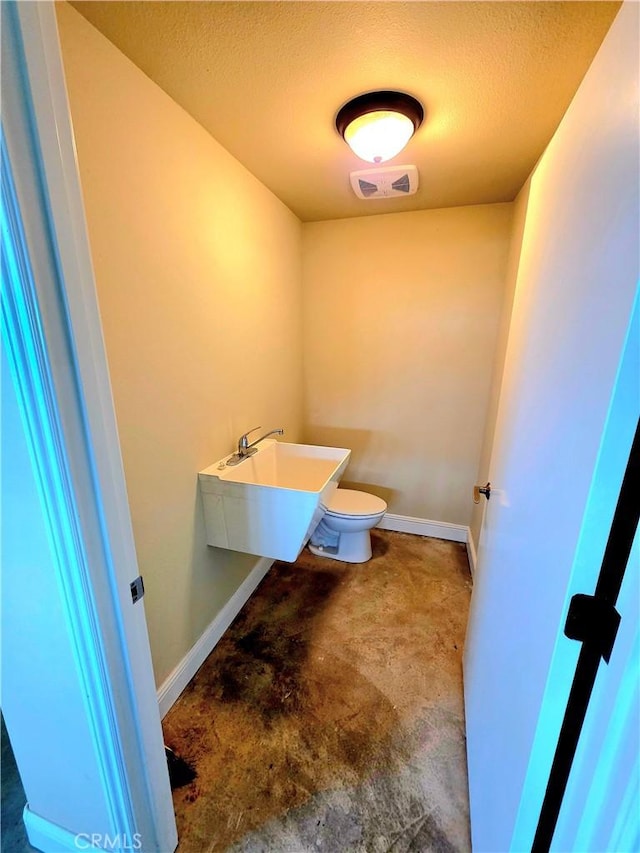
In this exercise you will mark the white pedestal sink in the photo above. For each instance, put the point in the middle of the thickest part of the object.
(270, 503)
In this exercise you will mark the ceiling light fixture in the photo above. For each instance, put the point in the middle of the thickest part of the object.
(378, 125)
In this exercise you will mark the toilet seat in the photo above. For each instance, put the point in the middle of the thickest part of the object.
(344, 531)
(354, 504)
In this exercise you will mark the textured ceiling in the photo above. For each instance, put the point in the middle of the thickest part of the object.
(267, 78)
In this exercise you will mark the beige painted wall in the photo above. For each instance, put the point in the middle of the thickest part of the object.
(401, 313)
(484, 467)
(198, 276)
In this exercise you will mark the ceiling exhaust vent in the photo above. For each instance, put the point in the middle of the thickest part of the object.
(385, 182)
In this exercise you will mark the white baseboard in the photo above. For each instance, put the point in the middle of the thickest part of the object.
(175, 683)
(472, 554)
(44, 835)
(425, 527)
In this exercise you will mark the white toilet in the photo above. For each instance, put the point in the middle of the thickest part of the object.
(343, 534)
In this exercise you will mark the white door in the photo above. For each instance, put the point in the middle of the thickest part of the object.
(52, 342)
(576, 285)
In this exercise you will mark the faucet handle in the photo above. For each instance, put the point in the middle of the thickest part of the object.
(243, 441)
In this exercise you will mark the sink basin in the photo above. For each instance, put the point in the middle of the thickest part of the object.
(270, 503)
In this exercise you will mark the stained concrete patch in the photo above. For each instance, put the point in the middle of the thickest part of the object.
(329, 717)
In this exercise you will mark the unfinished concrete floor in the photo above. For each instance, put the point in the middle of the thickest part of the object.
(330, 716)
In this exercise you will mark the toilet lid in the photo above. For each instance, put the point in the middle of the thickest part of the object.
(351, 502)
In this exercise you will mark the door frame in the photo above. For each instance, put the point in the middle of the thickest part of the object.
(56, 350)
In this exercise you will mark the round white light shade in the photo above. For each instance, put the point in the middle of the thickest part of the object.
(378, 136)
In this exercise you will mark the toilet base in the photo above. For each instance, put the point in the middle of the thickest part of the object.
(353, 548)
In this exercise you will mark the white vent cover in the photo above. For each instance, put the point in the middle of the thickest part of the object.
(385, 182)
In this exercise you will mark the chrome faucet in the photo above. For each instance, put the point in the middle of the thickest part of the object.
(248, 449)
